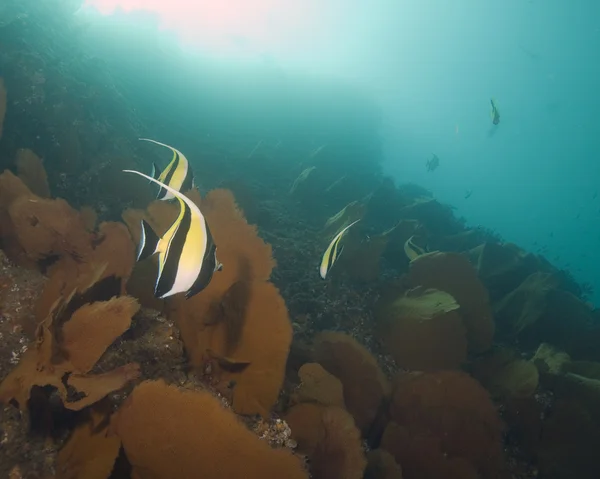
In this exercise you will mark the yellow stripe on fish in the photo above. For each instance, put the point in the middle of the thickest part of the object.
(333, 252)
(178, 174)
(187, 254)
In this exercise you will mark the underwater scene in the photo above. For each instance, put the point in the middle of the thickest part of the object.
(293, 240)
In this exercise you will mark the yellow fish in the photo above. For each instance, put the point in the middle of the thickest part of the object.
(333, 252)
(187, 254)
(178, 174)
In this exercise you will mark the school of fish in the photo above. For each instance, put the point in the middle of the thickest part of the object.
(187, 253)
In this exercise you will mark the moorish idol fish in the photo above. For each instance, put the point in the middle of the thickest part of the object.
(187, 254)
(333, 252)
(412, 250)
(178, 174)
(495, 114)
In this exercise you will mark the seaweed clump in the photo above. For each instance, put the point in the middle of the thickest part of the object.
(423, 330)
(366, 389)
(330, 439)
(169, 432)
(444, 425)
(66, 350)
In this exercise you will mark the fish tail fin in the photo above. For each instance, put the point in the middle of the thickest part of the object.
(155, 173)
(148, 242)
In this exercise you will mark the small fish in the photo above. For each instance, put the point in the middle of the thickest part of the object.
(468, 194)
(178, 174)
(335, 184)
(495, 114)
(333, 252)
(432, 163)
(412, 250)
(187, 254)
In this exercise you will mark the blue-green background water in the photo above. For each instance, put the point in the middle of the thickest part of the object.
(431, 67)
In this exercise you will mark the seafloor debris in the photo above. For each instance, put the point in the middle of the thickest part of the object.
(276, 432)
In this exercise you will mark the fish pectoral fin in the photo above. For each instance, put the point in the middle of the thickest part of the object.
(149, 241)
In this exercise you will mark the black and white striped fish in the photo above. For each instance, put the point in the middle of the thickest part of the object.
(412, 250)
(178, 174)
(333, 252)
(187, 254)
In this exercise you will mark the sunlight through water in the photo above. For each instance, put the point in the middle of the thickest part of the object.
(260, 28)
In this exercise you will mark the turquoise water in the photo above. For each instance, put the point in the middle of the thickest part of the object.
(432, 67)
(416, 75)
(534, 178)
